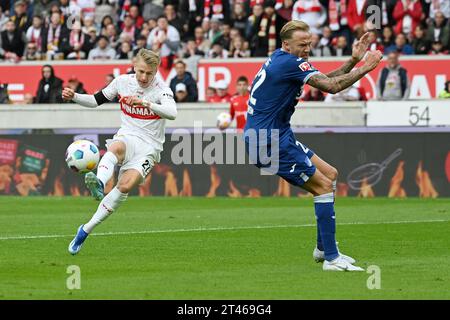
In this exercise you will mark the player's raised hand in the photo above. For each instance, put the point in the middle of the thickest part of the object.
(131, 101)
(360, 47)
(373, 59)
(68, 94)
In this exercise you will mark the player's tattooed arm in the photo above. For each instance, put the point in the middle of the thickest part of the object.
(359, 49)
(345, 68)
(341, 82)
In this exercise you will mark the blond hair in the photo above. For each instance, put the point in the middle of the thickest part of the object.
(292, 26)
(149, 57)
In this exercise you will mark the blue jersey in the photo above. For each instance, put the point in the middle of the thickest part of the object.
(275, 92)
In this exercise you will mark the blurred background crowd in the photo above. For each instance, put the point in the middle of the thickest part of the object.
(184, 31)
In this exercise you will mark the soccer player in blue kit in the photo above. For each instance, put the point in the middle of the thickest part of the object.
(274, 95)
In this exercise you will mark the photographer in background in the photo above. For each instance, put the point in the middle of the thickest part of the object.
(4, 96)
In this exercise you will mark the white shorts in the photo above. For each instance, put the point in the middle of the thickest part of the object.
(139, 154)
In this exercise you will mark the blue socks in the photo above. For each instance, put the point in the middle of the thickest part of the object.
(326, 225)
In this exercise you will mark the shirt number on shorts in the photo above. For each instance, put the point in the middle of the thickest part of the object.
(146, 167)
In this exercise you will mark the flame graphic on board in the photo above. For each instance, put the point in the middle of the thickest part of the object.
(423, 181)
(215, 182)
(187, 185)
(395, 188)
(284, 189)
(366, 190)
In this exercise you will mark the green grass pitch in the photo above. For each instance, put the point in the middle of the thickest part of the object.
(222, 248)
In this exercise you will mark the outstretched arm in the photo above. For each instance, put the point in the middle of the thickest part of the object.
(341, 82)
(85, 100)
(359, 49)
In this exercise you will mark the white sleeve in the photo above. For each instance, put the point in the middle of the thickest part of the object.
(167, 107)
(85, 100)
(111, 91)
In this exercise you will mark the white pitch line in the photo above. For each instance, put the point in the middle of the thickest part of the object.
(31, 237)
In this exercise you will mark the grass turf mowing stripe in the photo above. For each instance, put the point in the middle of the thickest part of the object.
(33, 237)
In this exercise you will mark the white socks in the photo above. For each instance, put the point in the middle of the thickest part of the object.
(106, 166)
(109, 204)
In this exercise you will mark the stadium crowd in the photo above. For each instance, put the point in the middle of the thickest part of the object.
(193, 29)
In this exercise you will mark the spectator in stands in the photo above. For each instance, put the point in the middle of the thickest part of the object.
(40, 7)
(3, 19)
(238, 103)
(393, 81)
(238, 48)
(12, 42)
(214, 31)
(78, 45)
(180, 93)
(407, 13)
(375, 43)
(437, 48)
(318, 50)
(356, 15)
(191, 49)
(420, 44)
(211, 95)
(31, 52)
(341, 48)
(54, 36)
(286, 9)
(253, 19)
(222, 91)
(439, 31)
(4, 95)
(224, 39)
(217, 9)
(152, 9)
(442, 6)
(141, 42)
(185, 78)
(34, 32)
(69, 8)
(125, 52)
(388, 38)
(312, 12)
(217, 52)
(239, 17)
(165, 40)
(20, 17)
(129, 29)
(103, 51)
(136, 16)
(264, 37)
(173, 19)
(50, 87)
(76, 85)
(401, 46)
(445, 94)
(111, 34)
(106, 21)
(88, 23)
(202, 43)
(313, 94)
(338, 18)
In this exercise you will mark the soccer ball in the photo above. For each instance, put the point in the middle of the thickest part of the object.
(223, 120)
(82, 156)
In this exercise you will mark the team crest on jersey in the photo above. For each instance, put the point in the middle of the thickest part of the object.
(305, 66)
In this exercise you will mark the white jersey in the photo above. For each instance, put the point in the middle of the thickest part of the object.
(138, 120)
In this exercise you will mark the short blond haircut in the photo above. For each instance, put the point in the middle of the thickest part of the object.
(149, 57)
(292, 26)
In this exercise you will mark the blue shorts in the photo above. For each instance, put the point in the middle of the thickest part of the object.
(294, 164)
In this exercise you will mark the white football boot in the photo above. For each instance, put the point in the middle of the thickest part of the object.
(340, 264)
(319, 256)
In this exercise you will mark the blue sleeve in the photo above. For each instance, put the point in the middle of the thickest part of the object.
(299, 70)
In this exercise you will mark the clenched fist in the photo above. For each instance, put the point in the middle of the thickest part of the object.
(68, 94)
(373, 59)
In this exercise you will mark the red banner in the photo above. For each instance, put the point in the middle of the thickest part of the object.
(427, 75)
(8, 151)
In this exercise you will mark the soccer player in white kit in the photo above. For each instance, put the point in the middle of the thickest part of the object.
(145, 103)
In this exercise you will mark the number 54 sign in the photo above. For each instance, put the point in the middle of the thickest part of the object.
(408, 113)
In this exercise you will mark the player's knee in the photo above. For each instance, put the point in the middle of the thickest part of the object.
(333, 174)
(326, 186)
(124, 186)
